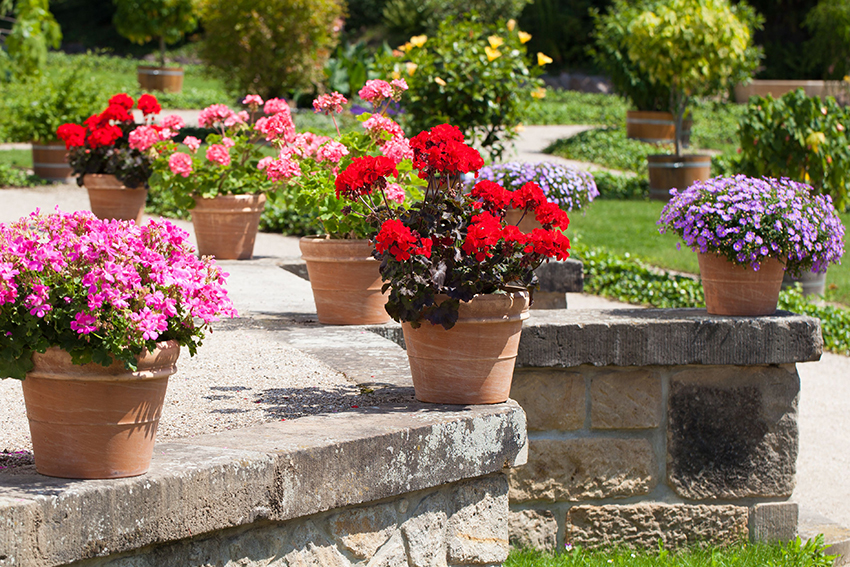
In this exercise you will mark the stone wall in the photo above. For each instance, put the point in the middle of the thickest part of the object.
(462, 523)
(392, 484)
(684, 428)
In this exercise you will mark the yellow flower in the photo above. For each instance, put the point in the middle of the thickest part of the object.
(396, 75)
(440, 81)
(495, 41)
(815, 139)
(524, 36)
(511, 24)
(538, 93)
(406, 47)
(543, 59)
(418, 40)
(847, 78)
(519, 128)
(492, 53)
(411, 67)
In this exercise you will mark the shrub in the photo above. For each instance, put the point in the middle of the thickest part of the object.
(693, 48)
(800, 137)
(471, 76)
(829, 24)
(33, 109)
(270, 47)
(610, 52)
(622, 187)
(33, 32)
(166, 21)
(404, 18)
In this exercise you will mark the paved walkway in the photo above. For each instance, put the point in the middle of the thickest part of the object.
(823, 481)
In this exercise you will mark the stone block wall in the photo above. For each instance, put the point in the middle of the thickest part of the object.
(463, 523)
(692, 441)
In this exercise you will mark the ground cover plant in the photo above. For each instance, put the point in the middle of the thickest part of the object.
(607, 147)
(572, 107)
(792, 554)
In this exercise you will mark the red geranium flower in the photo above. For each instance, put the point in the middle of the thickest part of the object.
(105, 136)
(363, 175)
(73, 135)
(149, 105)
(529, 196)
(117, 113)
(551, 243)
(550, 214)
(492, 193)
(123, 100)
(441, 150)
(397, 239)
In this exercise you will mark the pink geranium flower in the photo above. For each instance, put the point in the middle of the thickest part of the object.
(143, 137)
(218, 153)
(214, 114)
(172, 122)
(192, 143)
(329, 103)
(252, 100)
(180, 164)
(332, 151)
(275, 105)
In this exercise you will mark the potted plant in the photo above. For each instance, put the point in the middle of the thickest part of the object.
(108, 153)
(165, 21)
(223, 184)
(44, 103)
(651, 121)
(343, 274)
(748, 232)
(569, 188)
(692, 48)
(94, 314)
(457, 272)
(805, 139)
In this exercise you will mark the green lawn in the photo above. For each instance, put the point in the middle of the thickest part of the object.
(792, 554)
(18, 158)
(629, 227)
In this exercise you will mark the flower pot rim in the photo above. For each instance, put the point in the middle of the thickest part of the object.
(746, 265)
(94, 372)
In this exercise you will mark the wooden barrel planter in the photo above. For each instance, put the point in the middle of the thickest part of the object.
(168, 79)
(50, 161)
(655, 127)
(675, 172)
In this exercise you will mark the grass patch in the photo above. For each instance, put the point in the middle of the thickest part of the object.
(793, 554)
(572, 107)
(17, 158)
(635, 234)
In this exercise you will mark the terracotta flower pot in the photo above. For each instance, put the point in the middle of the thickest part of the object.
(346, 281)
(50, 161)
(731, 289)
(110, 199)
(473, 362)
(92, 421)
(226, 226)
(528, 222)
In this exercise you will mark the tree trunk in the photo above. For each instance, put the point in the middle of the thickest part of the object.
(162, 51)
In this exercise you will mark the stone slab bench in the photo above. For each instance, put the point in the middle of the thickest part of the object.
(392, 482)
(648, 423)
